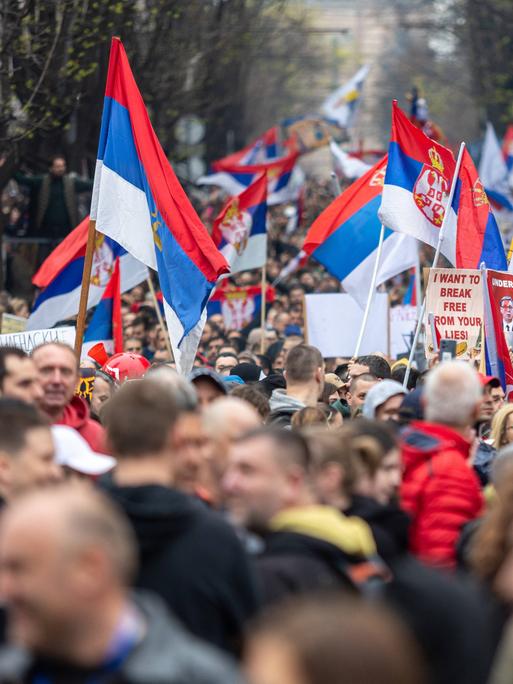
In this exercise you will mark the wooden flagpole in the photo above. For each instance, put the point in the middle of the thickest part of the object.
(159, 316)
(263, 308)
(84, 292)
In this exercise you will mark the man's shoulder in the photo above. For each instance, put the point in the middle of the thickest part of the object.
(168, 654)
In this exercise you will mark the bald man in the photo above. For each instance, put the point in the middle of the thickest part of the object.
(67, 557)
(224, 421)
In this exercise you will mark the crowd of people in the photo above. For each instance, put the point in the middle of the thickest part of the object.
(270, 518)
(275, 517)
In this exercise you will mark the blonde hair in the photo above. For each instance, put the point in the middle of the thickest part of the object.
(499, 421)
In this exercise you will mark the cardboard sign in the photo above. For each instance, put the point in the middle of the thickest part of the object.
(403, 320)
(13, 324)
(455, 297)
(333, 323)
(33, 338)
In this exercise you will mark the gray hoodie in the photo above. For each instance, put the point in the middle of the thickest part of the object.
(283, 408)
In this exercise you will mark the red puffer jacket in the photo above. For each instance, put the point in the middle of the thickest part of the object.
(440, 490)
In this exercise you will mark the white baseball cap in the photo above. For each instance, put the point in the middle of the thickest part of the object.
(72, 450)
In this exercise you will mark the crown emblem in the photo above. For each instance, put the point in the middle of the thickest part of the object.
(436, 160)
(232, 211)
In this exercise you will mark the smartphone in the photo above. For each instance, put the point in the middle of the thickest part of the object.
(447, 350)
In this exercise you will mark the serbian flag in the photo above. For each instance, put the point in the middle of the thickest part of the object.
(284, 178)
(415, 194)
(498, 361)
(265, 148)
(240, 231)
(138, 201)
(60, 276)
(494, 172)
(478, 239)
(507, 147)
(239, 305)
(345, 236)
(106, 324)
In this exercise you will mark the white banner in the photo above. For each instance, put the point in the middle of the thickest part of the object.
(333, 323)
(33, 338)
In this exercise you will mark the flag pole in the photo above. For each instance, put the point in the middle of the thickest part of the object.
(84, 291)
(159, 316)
(263, 308)
(372, 289)
(335, 184)
(418, 283)
(441, 236)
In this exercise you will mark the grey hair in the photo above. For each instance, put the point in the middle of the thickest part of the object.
(451, 393)
(181, 390)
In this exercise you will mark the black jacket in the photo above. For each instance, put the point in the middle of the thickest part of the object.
(166, 655)
(389, 525)
(192, 558)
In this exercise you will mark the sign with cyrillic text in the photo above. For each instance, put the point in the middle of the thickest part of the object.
(31, 339)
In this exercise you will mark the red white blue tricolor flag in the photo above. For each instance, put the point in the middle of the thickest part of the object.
(106, 325)
(265, 148)
(344, 237)
(138, 201)
(60, 276)
(240, 230)
(416, 191)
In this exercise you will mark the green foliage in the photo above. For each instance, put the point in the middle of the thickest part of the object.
(230, 62)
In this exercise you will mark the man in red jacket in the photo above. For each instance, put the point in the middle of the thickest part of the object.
(57, 367)
(440, 490)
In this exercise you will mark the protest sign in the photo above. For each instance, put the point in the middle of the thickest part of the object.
(500, 288)
(402, 328)
(455, 297)
(333, 322)
(13, 324)
(32, 338)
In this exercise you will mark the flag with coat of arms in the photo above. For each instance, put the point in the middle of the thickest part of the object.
(240, 230)
(416, 191)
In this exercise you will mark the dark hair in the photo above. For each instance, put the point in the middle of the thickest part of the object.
(379, 431)
(377, 366)
(370, 441)
(265, 363)
(5, 352)
(342, 370)
(399, 373)
(273, 350)
(17, 419)
(139, 417)
(253, 396)
(140, 320)
(302, 362)
(328, 390)
(290, 447)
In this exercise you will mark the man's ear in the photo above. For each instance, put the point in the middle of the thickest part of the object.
(5, 471)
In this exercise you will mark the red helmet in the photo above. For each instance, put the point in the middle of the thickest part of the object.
(126, 366)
